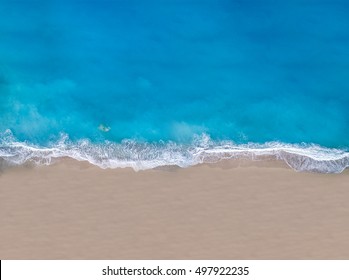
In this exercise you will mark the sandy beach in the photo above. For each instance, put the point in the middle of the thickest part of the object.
(229, 210)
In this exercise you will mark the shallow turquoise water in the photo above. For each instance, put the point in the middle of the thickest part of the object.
(148, 83)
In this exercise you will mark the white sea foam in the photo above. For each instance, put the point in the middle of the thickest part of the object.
(142, 156)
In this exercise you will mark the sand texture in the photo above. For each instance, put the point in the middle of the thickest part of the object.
(229, 210)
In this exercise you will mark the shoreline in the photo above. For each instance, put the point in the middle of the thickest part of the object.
(147, 155)
(234, 209)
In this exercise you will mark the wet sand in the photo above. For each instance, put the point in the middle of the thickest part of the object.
(229, 210)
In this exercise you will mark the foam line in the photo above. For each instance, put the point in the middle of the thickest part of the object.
(142, 155)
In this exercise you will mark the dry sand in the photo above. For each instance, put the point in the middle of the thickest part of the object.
(230, 210)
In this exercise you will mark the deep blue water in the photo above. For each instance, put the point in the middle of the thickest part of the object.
(124, 83)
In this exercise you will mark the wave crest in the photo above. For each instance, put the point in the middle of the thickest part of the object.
(143, 155)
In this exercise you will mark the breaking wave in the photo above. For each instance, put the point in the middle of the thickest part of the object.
(143, 155)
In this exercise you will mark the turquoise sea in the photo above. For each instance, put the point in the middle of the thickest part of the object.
(147, 83)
